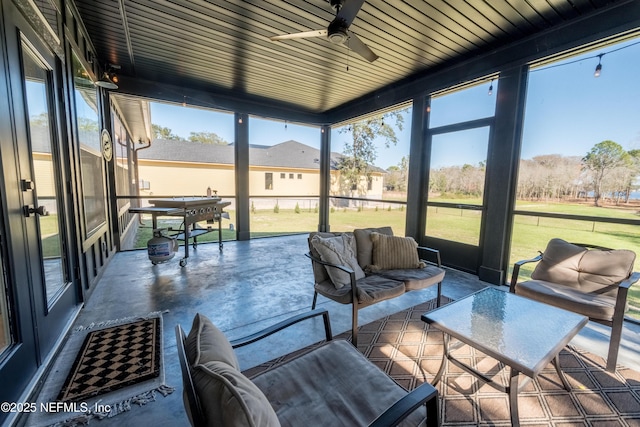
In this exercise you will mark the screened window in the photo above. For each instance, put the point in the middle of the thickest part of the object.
(471, 103)
(370, 171)
(278, 147)
(91, 162)
(579, 170)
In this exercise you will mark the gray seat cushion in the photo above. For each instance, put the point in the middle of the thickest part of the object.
(415, 278)
(371, 289)
(335, 384)
(594, 306)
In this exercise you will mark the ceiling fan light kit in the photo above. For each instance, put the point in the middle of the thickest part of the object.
(338, 30)
(106, 82)
(109, 78)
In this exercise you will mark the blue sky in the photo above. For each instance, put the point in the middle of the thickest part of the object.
(568, 111)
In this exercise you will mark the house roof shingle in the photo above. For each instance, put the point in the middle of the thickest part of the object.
(288, 154)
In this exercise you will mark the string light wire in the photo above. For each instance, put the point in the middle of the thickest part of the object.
(599, 56)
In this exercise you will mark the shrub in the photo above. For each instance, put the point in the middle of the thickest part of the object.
(276, 208)
(297, 208)
(316, 209)
(332, 210)
(253, 208)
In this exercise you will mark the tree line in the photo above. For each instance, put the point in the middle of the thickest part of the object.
(606, 172)
(161, 132)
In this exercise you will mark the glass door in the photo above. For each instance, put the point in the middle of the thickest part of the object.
(460, 127)
(46, 207)
(43, 198)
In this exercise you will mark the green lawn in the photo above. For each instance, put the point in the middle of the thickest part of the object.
(530, 235)
(51, 239)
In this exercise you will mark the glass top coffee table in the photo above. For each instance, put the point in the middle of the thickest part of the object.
(523, 334)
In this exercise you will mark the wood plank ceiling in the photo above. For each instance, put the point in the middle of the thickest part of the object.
(223, 46)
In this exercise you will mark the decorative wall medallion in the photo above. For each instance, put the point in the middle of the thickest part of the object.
(107, 145)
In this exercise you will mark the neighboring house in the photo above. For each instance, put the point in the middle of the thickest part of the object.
(178, 167)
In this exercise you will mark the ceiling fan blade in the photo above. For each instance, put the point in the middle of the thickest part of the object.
(356, 45)
(349, 10)
(314, 33)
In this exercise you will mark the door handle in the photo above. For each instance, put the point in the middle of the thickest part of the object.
(40, 210)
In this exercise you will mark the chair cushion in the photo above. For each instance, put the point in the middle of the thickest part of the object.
(586, 270)
(206, 342)
(228, 398)
(600, 307)
(338, 250)
(415, 278)
(332, 385)
(364, 244)
(371, 289)
(394, 252)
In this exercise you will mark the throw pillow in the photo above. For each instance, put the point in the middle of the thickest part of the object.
(394, 252)
(338, 250)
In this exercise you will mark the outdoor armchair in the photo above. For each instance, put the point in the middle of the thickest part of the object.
(587, 279)
(329, 384)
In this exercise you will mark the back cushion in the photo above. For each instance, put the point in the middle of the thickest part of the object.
(230, 399)
(560, 263)
(600, 270)
(206, 342)
(365, 245)
(227, 397)
(586, 270)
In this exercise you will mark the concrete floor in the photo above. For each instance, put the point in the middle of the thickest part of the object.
(247, 286)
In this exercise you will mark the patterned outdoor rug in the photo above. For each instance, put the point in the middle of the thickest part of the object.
(103, 370)
(113, 358)
(410, 352)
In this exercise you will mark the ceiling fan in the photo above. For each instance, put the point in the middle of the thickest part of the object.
(338, 30)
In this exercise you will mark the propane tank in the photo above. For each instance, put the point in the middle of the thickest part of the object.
(161, 248)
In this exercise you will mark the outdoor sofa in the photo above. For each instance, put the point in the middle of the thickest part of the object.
(368, 266)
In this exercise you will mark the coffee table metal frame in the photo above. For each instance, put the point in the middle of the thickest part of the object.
(491, 321)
